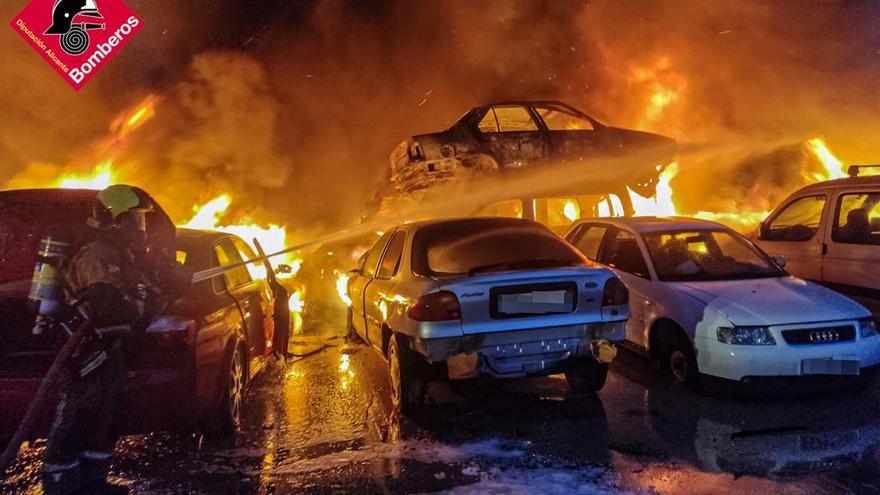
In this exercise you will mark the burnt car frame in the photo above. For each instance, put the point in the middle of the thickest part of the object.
(510, 135)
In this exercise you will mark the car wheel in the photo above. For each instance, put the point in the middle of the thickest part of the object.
(680, 360)
(585, 374)
(481, 163)
(406, 385)
(227, 418)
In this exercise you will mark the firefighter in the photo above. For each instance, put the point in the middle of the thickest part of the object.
(120, 289)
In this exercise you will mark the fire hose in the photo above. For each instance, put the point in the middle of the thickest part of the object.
(42, 395)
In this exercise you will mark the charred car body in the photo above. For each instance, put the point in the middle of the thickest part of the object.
(511, 135)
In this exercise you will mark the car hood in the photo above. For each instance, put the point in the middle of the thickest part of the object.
(773, 301)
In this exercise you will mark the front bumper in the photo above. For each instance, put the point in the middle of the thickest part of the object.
(738, 362)
(514, 354)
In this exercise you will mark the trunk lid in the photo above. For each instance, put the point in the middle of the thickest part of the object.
(489, 300)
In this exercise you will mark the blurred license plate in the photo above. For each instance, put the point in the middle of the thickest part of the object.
(830, 367)
(536, 302)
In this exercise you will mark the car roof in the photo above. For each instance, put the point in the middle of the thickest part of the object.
(658, 224)
(846, 182)
(195, 235)
(414, 226)
(49, 193)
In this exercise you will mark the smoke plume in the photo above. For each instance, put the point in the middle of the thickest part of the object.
(293, 107)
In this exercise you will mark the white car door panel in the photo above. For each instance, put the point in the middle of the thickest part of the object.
(853, 240)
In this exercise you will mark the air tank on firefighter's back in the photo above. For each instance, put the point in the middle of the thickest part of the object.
(47, 284)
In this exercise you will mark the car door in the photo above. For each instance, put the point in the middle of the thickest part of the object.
(357, 286)
(260, 303)
(795, 231)
(379, 291)
(512, 135)
(240, 287)
(569, 135)
(852, 260)
(620, 250)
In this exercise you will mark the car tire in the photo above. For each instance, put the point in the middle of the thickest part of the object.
(586, 375)
(679, 360)
(481, 164)
(406, 383)
(227, 418)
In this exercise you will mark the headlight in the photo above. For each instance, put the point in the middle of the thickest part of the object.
(746, 336)
(867, 327)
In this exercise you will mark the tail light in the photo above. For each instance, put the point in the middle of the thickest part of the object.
(615, 294)
(437, 306)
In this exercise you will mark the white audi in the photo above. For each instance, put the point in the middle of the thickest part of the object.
(706, 300)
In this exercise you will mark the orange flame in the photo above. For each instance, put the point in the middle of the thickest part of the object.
(101, 177)
(342, 288)
(272, 238)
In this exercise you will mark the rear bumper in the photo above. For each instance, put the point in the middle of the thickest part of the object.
(541, 351)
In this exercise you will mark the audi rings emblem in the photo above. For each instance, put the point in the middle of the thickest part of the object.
(822, 336)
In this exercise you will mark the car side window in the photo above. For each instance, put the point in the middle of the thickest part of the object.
(256, 270)
(488, 123)
(589, 239)
(514, 118)
(858, 219)
(391, 261)
(370, 265)
(560, 119)
(226, 254)
(797, 222)
(622, 251)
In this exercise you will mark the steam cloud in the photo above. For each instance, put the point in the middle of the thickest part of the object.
(296, 108)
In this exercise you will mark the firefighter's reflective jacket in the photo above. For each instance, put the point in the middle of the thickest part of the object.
(101, 275)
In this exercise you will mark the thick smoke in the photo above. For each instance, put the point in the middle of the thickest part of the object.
(293, 107)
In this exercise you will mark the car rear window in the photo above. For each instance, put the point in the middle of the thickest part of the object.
(460, 247)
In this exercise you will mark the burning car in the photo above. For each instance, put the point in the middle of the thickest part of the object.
(511, 135)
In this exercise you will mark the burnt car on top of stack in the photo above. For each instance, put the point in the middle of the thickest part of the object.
(500, 137)
(197, 358)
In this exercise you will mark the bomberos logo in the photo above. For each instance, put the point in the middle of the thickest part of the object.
(77, 37)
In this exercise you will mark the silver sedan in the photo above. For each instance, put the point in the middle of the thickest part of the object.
(454, 299)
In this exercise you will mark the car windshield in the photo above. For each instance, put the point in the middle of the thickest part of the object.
(703, 255)
(478, 245)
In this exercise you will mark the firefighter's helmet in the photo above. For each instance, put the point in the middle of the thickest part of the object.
(120, 205)
(65, 11)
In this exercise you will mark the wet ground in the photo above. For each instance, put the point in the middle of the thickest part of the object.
(323, 424)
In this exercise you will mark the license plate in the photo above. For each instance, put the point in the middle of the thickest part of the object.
(830, 367)
(536, 302)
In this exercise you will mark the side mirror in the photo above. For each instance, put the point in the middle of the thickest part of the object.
(283, 269)
(779, 260)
